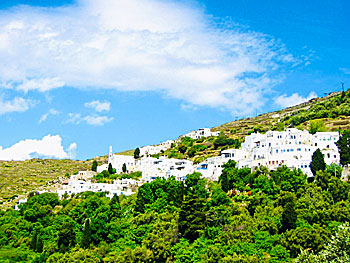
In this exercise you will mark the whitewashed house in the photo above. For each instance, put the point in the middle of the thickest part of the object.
(79, 186)
(203, 132)
(84, 175)
(152, 168)
(211, 168)
(293, 148)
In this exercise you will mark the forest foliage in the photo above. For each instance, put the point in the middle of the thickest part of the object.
(259, 216)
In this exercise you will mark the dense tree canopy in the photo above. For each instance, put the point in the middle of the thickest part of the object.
(248, 216)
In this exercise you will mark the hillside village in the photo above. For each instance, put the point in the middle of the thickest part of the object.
(293, 148)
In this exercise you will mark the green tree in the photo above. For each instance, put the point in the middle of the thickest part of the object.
(317, 126)
(336, 251)
(289, 215)
(182, 148)
(124, 168)
(137, 153)
(344, 147)
(192, 218)
(39, 244)
(86, 238)
(66, 236)
(114, 205)
(110, 168)
(33, 241)
(317, 163)
(94, 166)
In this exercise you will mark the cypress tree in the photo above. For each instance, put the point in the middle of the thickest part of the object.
(124, 168)
(344, 147)
(289, 217)
(39, 244)
(224, 180)
(317, 162)
(137, 153)
(115, 206)
(33, 241)
(110, 169)
(86, 238)
(94, 166)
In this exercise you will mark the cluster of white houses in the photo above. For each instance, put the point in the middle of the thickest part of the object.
(293, 148)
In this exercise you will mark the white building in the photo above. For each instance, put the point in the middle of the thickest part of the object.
(293, 148)
(117, 162)
(155, 149)
(152, 168)
(211, 168)
(203, 132)
(79, 186)
(84, 175)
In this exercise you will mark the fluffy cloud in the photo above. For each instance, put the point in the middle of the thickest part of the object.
(98, 106)
(140, 45)
(94, 119)
(16, 105)
(295, 99)
(48, 147)
(46, 115)
(72, 150)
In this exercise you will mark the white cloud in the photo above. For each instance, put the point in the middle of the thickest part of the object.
(48, 147)
(98, 106)
(346, 71)
(97, 120)
(140, 45)
(18, 104)
(43, 84)
(94, 120)
(188, 107)
(295, 99)
(50, 112)
(72, 150)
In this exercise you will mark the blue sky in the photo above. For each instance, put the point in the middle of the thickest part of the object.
(78, 76)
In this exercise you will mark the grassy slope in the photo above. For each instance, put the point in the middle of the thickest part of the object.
(275, 119)
(18, 178)
(333, 110)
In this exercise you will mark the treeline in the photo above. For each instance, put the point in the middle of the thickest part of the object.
(259, 216)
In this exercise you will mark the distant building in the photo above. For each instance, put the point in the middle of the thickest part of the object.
(204, 132)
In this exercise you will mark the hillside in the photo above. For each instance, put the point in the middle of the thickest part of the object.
(329, 113)
(333, 111)
(20, 177)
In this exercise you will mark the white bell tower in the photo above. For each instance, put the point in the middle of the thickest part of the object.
(110, 155)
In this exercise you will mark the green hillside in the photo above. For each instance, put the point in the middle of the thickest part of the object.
(329, 113)
(18, 178)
